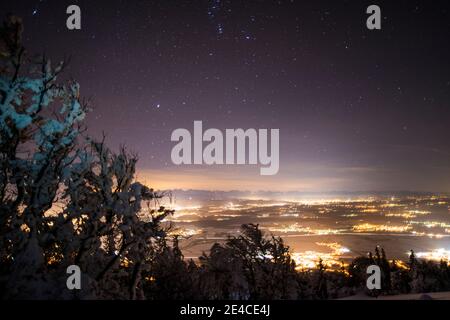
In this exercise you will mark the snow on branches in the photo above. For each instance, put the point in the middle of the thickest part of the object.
(64, 198)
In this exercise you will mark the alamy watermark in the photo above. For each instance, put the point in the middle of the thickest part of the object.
(73, 21)
(374, 20)
(374, 280)
(236, 146)
(74, 279)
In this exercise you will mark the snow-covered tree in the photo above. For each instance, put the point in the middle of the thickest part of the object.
(64, 198)
(39, 125)
(252, 266)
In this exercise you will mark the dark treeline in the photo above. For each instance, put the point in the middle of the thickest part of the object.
(66, 199)
(254, 266)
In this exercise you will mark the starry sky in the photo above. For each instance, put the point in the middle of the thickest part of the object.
(358, 110)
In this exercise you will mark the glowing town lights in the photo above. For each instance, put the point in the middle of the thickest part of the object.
(268, 204)
(300, 229)
(290, 215)
(419, 212)
(336, 247)
(368, 227)
(435, 255)
(432, 224)
(370, 210)
(350, 215)
(185, 232)
(187, 208)
(309, 259)
(429, 235)
(290, 228)
(391, 205)
(324, 220)
(401, 215)
(400, 264)
(182, 212)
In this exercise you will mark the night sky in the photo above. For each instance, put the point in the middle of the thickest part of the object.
(358, 110)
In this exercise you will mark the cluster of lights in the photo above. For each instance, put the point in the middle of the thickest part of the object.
(435, 255)
(419, 212)
(392, 205)
(429, 235)
(296, 228)
(405, 215)
(400, 264)
(404, 211)
(310, 259)
(369, 227)
(432, 224)
(185, 232)
(186, 214)
(370, 210)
